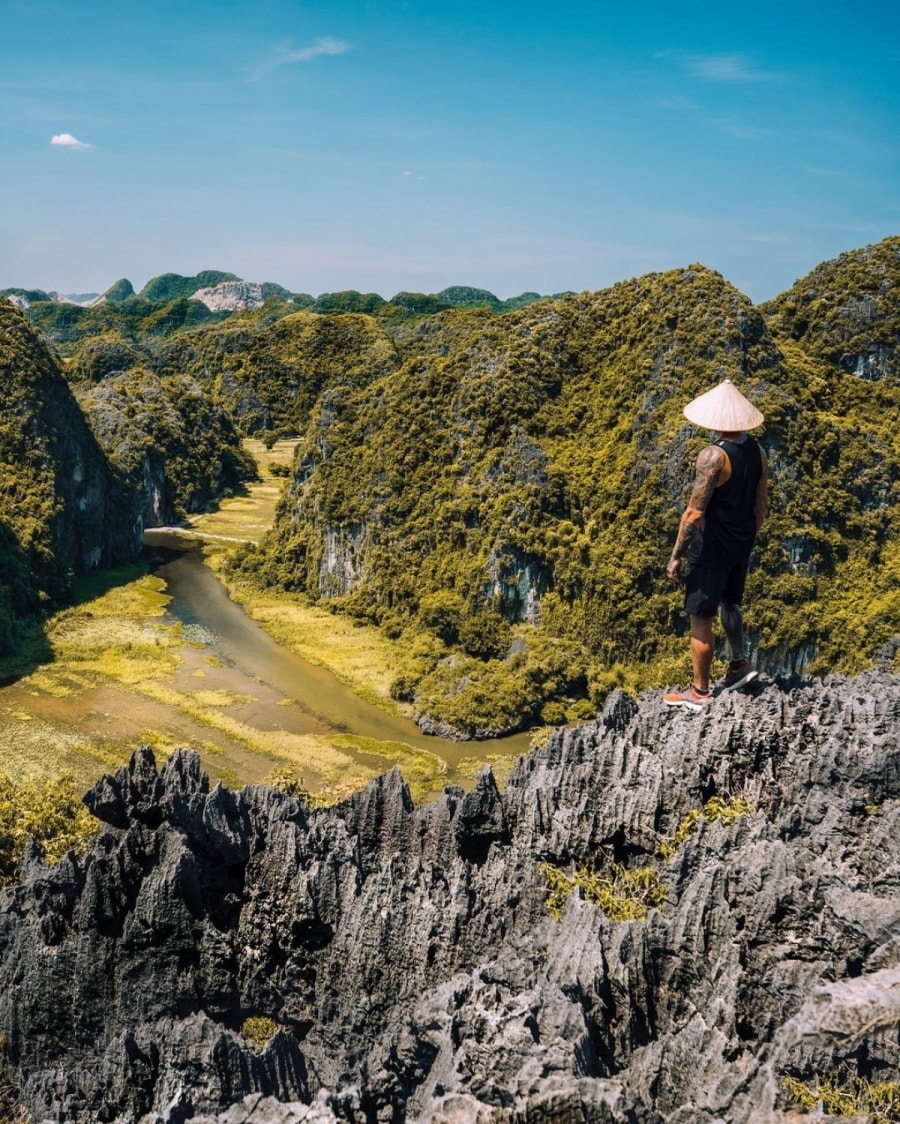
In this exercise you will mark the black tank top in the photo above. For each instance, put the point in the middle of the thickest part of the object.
(729, 528)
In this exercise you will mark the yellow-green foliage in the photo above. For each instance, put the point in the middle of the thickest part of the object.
(622, 894)
(545, 452)
(172, 425)
(114, 636)
(845, 309)
(132, 320)
(12, 1111)
(258, 1029)
(715, 809)
(289, 781)
(49, 811)
(841, 1094)
(269, 376)
(44, 444)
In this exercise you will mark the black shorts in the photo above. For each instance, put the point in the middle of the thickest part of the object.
(705, 588)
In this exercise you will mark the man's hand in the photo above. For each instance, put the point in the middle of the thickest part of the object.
(673, 570)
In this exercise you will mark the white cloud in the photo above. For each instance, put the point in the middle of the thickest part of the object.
(66, 140)
(286, 55)
(742, 131)
(676, 102)
(725, 68)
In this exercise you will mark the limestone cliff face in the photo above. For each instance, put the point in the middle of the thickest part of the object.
(270, 376)
(61, 508)
(408, 957)
(173, 448)
(231, 296)
(846, 311)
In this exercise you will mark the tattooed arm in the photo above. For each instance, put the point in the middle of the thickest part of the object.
(710, 463)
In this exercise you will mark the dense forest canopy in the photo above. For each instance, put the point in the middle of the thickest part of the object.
(500, 482)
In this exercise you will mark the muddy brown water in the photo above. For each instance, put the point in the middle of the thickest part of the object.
(255, 665)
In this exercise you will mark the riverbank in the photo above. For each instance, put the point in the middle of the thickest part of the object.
(361, 657)
(118, 670)
(125, 670)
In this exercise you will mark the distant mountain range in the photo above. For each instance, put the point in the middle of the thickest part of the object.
(221, 291)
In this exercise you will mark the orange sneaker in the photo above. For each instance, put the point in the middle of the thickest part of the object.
(738, 675)
(689, 699)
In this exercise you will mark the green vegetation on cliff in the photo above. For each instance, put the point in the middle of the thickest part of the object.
(464, 296)
(846, 312)
(175, 448)
(528, 471)
(72, 499)
(49, 812)
(56, 492)
(500, 489)
(166, 307)
(119, 291)
(269, 378)
(172, 286)
(133, 318)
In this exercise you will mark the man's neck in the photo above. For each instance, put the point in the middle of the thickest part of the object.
(738, 438)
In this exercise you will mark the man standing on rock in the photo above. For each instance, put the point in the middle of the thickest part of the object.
(717, 531)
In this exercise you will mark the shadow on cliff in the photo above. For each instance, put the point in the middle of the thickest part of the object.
(32, 648)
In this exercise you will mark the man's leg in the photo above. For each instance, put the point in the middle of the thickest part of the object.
(739, 672)
(733, 623)
(701, 650)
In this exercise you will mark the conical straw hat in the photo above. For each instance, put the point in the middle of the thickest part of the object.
(723, 409)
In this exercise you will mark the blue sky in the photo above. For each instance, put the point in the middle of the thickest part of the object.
(392, 145)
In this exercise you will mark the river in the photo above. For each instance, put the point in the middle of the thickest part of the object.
(283, 691)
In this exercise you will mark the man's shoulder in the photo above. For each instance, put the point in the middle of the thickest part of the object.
(712, 455)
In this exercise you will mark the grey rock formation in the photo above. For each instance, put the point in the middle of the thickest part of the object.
(408, 958)
(231, 296)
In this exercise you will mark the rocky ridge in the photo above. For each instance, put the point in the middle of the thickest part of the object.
(231, 296)
(409, 960)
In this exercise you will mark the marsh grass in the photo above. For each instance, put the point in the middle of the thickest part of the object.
(250, 512)
(117, 638)
(219, 697)
(360, 656)
(502, 764)
(114, 636)
(424, 772)
(32, 650)
(328, 763)
(30, 747)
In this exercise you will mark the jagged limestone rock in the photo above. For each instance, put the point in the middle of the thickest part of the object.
(231, 296)
(409, 961)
